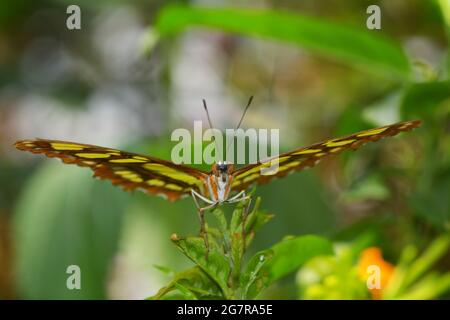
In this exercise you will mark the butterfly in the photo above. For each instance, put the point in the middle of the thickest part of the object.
(173, 181)
(222, 184)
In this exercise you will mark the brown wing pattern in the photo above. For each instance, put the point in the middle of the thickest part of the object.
(128, 170)
(309, 156)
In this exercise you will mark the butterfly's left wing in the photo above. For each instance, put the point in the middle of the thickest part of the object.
(309, 156)
(128, 170)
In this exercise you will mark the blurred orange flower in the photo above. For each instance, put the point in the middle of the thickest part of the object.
(370, 258)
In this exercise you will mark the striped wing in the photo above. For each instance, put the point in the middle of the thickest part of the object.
(128, 170)
(309, 156)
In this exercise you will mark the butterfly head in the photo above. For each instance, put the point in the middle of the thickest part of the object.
(222, 169)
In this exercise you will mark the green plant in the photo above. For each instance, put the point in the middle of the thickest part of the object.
(414, 278)
(344, 275)
(225, 274)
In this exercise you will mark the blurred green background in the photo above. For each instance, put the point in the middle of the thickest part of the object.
(138, 69)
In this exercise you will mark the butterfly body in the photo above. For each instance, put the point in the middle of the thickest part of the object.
(217, 187)
(219, 182)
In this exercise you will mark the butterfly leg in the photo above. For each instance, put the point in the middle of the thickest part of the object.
(236, 198)
(201, 215)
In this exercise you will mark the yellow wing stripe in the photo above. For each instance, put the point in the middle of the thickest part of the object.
(290, 165)
(127, 160)
(334, 150)
(171, 173)
(155, 183)
(321, 154)
(372, 132)
(251, 177)
(66, 146)
(93, 155)
(265, 165)
(172, 186)
(155, 166)
(308, 151)
(332, 144)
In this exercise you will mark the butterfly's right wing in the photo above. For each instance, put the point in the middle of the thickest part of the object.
(309, 156)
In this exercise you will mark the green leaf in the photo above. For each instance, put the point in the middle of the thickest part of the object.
(216, 265)
(355, 46)
(63, 218)
(166, 270)
(235, 223)
(220, 216)
(255, 278)
(237, 245)
(223, 235)
(252, 217)
(254, 224)
(187, 294)
(192, 283)
(290, 254)
(255, 220)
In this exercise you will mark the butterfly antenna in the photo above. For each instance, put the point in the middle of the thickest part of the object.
(209, 121)
(245, 111)
(207, 114)
(240, 121)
